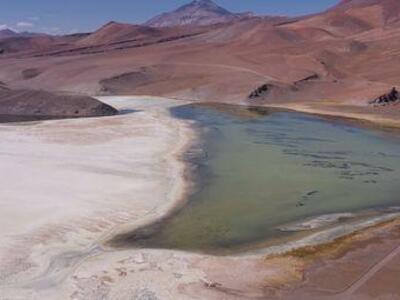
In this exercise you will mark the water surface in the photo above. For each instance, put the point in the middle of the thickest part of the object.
(263, 175)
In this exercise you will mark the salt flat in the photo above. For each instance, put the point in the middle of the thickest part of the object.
(68, 184)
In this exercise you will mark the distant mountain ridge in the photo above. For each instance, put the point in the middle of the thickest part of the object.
(348, 52)
(8, 33)
(198, 12)
(114, 32)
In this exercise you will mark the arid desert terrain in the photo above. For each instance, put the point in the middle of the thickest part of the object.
(103, 155)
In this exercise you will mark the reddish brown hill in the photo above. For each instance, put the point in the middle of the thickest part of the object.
(116, 32)
(351, 17)
(386, 11)
(390, 8)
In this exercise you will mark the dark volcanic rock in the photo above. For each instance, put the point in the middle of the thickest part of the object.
(392, 97)
(260, 91)
(45, 104)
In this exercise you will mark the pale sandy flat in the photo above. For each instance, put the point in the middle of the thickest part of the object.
(68, 184)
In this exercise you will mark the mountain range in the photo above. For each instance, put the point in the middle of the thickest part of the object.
(338, 59)
(8, 33)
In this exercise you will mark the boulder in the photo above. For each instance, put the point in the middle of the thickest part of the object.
(260, 91)
(389, 98)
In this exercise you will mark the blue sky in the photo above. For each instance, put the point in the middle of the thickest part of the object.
(69, 16)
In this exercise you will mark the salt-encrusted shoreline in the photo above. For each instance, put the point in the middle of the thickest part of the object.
(68, 185)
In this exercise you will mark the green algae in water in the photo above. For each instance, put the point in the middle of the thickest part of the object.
(265, 169)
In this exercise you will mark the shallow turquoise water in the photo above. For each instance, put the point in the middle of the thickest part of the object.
(261, 170)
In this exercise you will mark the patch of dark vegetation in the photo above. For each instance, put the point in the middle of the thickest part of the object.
(341, 245)
(336, 246)
(30, 73)
(393, 97)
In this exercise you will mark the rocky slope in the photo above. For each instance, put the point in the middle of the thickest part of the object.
(45, 104)
(387, 11)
